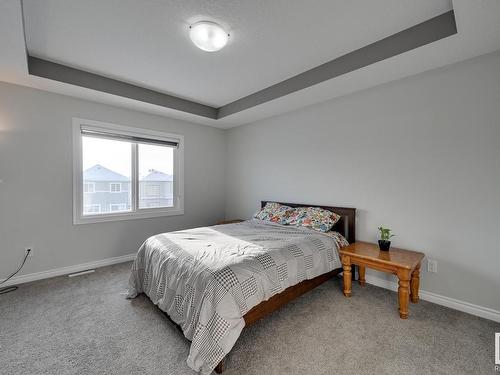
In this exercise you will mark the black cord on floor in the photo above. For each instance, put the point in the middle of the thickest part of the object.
(8, 289)
(12, 288)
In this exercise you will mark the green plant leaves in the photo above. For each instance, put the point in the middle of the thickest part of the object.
(385, 233)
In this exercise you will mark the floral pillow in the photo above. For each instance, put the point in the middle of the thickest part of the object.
(275, 212)
(314, 218)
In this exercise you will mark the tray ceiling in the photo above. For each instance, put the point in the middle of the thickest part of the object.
(147, 44)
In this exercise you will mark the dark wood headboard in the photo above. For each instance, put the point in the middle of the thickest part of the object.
(346, 225)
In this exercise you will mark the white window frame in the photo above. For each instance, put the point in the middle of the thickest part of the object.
(115, 191)
(89, 184)
(135, 213)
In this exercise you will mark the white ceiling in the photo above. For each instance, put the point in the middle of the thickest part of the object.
(146, 43)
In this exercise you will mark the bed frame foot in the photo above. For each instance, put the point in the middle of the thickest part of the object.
(220, 367)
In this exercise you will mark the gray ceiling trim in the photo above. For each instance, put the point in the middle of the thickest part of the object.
(63, 73)
(424, 33)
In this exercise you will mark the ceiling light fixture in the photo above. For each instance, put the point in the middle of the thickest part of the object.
(208, 36)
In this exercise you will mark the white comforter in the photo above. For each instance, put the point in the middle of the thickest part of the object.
(207, 278)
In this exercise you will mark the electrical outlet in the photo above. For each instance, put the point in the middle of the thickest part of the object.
(432, 265)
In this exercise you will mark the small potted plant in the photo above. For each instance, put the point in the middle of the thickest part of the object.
(385, 235)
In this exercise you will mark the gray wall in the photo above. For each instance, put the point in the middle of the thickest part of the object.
(420, 155)
(36, 188)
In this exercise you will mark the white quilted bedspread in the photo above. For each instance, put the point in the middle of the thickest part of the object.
(207, 278)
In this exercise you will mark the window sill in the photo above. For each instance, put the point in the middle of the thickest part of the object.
(146, 214)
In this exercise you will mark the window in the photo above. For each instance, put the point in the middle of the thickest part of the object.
(151, 190)
(117, 207)
(115, 187)
(123, 173)
(155, 181)
(88, 187)
(92, 208)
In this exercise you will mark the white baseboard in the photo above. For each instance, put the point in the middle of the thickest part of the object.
(67, 270)
(483, 312)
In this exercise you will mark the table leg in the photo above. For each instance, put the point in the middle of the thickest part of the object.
(346, 264)
(414, 284)
(403, 292)
(361, 271)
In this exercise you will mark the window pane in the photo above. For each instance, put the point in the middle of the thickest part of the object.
(107, 171)
(156, 180)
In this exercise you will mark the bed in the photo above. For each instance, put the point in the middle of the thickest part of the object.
(214, 281)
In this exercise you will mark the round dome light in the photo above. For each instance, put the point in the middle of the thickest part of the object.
(208, 36)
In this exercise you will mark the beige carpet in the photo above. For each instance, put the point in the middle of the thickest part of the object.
(85, 326)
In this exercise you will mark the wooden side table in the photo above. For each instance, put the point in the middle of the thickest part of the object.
(405, 264)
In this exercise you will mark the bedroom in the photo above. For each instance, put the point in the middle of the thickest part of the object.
(389, 109)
